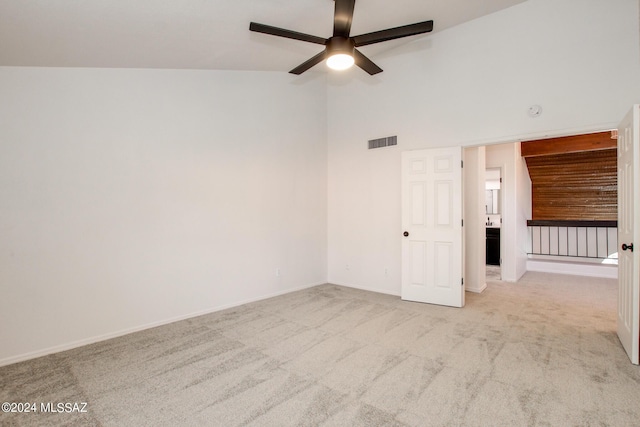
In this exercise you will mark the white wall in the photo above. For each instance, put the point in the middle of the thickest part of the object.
(130, 198)
(523, 211)
(469, 85)
(475, 269)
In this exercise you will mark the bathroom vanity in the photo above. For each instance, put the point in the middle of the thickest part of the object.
(493, 245)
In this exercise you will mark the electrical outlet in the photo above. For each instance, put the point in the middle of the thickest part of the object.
(277, 272)
(347, 267)
(386, 272)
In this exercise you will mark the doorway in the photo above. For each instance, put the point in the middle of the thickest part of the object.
(493, 204)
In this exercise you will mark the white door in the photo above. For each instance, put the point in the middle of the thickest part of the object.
(432, 256)
(628, 233)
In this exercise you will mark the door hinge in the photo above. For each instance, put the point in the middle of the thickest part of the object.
(462, 282)
(461, 163)
(462, 221)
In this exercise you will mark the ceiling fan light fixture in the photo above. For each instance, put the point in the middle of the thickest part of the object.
(340, 61)
(340, 53)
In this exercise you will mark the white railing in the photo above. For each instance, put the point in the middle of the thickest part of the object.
(580, 240)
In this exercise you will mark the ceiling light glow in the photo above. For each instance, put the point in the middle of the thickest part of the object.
(340, 61)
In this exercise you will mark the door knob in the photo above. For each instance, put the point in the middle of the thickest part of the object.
(629, 246)
(405, 234)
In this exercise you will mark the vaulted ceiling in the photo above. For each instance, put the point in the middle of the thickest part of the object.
(201, 34)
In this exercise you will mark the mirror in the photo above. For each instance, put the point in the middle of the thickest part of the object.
(492, 193)
(492, 201)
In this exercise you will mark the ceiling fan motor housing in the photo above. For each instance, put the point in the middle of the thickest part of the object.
(339, 44)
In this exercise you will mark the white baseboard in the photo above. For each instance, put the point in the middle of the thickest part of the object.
(606, 271)
(104, 337)
(477, 290)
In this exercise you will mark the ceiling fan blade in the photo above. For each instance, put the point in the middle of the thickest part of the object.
(281, 32)
(393, 33)
(342, 18)
(365, 63)
(309, 63)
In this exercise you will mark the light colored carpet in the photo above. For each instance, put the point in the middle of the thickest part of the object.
(542, 352)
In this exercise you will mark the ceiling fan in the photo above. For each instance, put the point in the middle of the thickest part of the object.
(340, 49)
